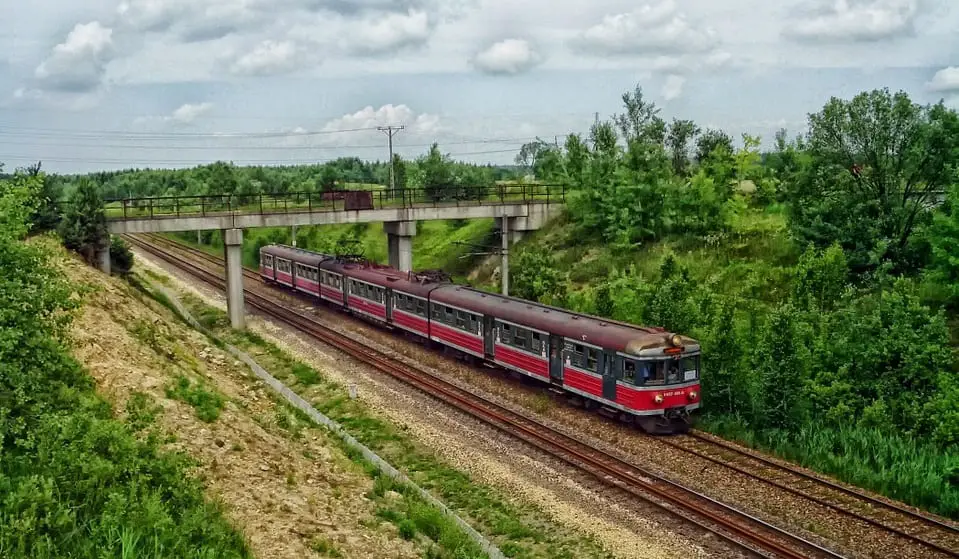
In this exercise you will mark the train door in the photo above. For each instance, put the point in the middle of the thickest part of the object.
(388, 301)
(607, 367)
(555, 359)
(489, 336)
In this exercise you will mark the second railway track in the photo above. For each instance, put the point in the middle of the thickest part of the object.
(925, 530)
(735, 527)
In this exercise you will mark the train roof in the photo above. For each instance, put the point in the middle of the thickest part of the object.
(407, 282)
(593, 330)
(303, 256)
(611, 334)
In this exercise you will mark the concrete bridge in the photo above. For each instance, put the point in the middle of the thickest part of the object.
(518, 208)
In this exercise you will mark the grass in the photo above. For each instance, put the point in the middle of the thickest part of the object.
(206, 402)
(896, 466)
(519, 528)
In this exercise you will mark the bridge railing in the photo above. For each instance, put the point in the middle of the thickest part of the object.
(332, 201)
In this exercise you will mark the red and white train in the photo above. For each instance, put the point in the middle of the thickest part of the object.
(646, 375)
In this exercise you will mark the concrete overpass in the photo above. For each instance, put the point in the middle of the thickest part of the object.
(518, 208)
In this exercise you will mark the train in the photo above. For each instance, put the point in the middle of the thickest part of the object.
(642, 375)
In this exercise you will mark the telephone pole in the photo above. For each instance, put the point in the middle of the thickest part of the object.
(390, 130)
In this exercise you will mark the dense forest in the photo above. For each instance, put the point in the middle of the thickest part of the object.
(822, 276)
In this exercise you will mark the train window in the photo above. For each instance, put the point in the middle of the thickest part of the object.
(537, 343)
(462, 320)
(673, 374)
(592, 359)
(629, 371)
(521, 338)
(421, 307)
(690, 368)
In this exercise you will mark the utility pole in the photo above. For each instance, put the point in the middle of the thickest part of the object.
(390, 130)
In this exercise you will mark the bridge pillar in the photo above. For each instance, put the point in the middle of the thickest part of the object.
(399, 238)
(504, 265)
(103, 260)
(233, 246)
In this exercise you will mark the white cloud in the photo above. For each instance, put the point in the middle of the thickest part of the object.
(188, 113)
(386, 115)
(946, 80)
(385, 33)
(673, 87)
(854, 20)
(510, 56)
(653, 29)
(185, 114)
(267, 58)
(190, 20)
(79, 62)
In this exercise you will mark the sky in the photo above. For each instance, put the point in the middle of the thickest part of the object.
(109, 84)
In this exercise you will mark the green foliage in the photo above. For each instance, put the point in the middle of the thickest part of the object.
(779, 366)
(536, 277)
(75, 481)
(84, 225)
(121, 257)
(820, 278)
(207, 402)
(875, 161)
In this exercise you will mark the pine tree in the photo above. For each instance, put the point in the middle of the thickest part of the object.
(84, 224)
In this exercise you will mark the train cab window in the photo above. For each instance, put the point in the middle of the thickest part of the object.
(653, 372)
(673, 373)
(629, 371)
(268, 260)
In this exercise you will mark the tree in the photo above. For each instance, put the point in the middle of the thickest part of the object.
(535, 277)
(529, 154)
(437, 174)
(121, 258)
(875, 162)
(681, 132)
(780, 370)
(327, 179)
(710, 141)
(641, 121)
(84, 224)
(399, 175)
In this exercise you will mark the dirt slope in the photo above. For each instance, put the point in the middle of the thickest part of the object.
(290, 490)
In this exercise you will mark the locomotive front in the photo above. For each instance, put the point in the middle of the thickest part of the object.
(661, 382)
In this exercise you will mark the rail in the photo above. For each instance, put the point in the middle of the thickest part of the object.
(731, 525)
(333, 201)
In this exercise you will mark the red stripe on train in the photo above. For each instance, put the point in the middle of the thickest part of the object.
(410, 321)
(521, 360)
(591, 384)
(471, 342)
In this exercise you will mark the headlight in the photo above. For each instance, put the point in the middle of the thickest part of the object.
(693, 395)
(676, 340)
(658, 398)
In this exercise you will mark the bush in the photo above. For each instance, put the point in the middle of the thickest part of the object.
(121, 258)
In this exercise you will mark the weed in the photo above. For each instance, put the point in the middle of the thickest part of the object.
(207, 403)
(325, 547)
(141, 410)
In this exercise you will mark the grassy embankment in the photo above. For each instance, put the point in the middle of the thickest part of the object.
(755, 261)
(519, 530)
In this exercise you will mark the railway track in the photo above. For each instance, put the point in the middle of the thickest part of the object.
(936, 534)
(925, 530)
(741, 530)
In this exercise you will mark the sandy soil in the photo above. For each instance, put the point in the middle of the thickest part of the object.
(282, 500)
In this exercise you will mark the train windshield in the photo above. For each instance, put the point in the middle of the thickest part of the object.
(670, 371)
